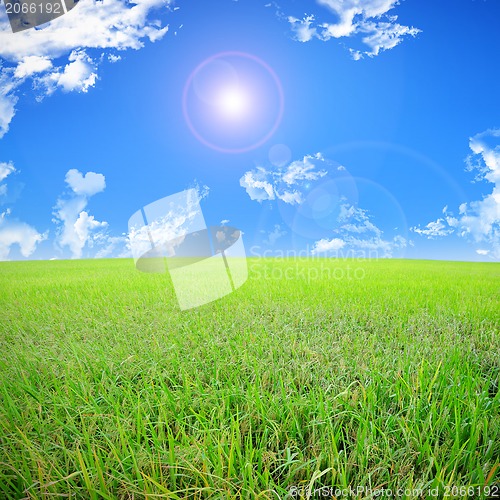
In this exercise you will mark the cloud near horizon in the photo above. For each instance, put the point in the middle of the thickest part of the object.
(477, 221)
(12, 231)
(76, 228)
(357, 233)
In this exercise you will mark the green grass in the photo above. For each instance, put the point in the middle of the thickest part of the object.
(306, 376)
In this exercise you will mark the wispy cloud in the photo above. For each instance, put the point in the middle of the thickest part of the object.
(274, 235)
(434, 229)
(285, 184)
(478, 221)
(112, 246)
(58, 54)
(357, 232)
(365, 21)
(5, 170)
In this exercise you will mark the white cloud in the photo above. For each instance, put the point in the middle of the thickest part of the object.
(5, 170)
(30, 65)
(356, 220)
(303, 170)
(85, 185)
(365, 20)
(18, 233)
(13, 232)
(112, 246)
(8, 99)
(114, 25)
(324, 245)
(77, 228)
(257, 186)
(290, 197)
(348, 10)
(7, 111)
(303, 29)
(113, 58)
(283, 184)
(357, 232)
(382, 36)
(479, 220)
(433, 229)
(378, 247)
(78, 75)
(84, 225)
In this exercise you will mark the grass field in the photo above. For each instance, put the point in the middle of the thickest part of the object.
(299, 380)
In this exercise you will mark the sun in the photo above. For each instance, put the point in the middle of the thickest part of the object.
(233, 103)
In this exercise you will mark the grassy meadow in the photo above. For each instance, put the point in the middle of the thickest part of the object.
(317, 378)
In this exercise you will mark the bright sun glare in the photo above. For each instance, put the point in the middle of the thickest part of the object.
(233, 102)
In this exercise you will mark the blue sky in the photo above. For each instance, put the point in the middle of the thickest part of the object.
(388, 144)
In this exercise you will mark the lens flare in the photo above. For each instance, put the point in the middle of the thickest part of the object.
(233, 102)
